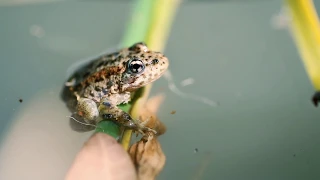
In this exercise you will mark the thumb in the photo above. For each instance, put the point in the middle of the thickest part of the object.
(102, 158)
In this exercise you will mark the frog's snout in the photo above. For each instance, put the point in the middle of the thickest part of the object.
(164, 64)
(158, 67)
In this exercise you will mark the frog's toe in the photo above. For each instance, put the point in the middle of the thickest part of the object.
(151, 130)
(77, 123)
(316, 98)
(141, 132)
(143, 124)
(143, 128)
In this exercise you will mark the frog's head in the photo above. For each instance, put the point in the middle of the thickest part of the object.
(142, 67)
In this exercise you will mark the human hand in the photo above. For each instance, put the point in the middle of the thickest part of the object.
(102, 158)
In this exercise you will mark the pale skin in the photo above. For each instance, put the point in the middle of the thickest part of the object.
(103, 158)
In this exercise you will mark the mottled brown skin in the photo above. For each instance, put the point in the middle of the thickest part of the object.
(94, 91)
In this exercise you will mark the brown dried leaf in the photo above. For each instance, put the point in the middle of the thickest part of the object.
(148, 157)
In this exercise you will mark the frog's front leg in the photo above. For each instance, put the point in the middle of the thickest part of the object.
(109, 111)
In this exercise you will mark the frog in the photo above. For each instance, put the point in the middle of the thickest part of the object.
(94, 92)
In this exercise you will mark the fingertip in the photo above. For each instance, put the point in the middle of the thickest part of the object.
(100, 139)
(102, 158)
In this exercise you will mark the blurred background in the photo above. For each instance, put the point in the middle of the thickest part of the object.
(237, 53)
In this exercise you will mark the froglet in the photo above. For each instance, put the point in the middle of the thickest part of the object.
(94, 91)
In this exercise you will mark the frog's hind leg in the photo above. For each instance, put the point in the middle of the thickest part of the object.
(77, 123)
(109, 111)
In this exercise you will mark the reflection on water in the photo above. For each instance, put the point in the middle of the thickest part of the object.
(173, 87)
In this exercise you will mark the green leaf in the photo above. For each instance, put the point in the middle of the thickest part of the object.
(109, 127)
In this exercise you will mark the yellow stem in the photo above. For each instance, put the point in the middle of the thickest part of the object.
(306, 32)
(163, 13)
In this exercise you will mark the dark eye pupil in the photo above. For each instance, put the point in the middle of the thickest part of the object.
(135, 66)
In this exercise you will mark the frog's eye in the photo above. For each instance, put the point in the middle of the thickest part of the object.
(135, 66)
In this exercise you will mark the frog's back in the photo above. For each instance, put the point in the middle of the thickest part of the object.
(73, 84)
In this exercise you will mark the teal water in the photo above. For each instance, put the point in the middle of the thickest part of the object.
(265, 126)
